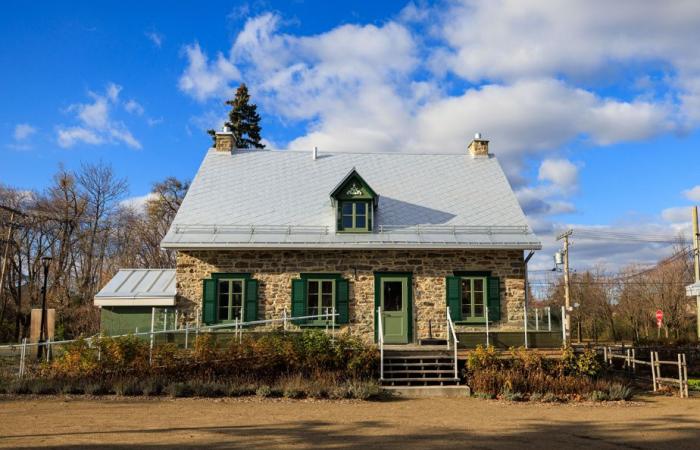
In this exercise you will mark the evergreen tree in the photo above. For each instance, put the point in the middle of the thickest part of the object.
(243, 120)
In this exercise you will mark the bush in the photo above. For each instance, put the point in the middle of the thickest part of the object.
(366, 390)
(97, 389)
(264, 391)
(20, 387)
(549, 398)
(128, 388)
(484, 395)
(178, 390)
(73, 388)
(512, 396)
(618, 391)
(211, 390)
(45, 387)
(152, 387)
(598, 396)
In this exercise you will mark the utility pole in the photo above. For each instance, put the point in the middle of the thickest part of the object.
(696, 261)
(567, 288)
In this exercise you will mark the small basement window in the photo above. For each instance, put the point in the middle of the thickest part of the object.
(230, 299)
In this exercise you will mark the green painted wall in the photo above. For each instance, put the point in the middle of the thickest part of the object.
(116, 320)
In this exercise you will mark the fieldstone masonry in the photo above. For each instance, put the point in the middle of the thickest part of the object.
(276, 268)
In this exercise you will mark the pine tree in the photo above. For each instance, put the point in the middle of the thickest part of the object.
(243, 120)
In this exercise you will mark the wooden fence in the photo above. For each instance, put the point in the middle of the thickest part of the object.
(630, 361)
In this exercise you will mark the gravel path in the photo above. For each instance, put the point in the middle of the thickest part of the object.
(58, 422)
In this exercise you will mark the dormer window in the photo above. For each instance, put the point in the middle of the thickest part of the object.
(355, 202)
(355, 215)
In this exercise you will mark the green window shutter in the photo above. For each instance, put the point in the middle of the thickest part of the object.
(298, 297)
(342, 301)
(494, 300)
(251, 300)
(454, 297)
(209, 301)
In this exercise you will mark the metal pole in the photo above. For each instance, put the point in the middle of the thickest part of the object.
(333, 326)
(486, 310)
(165, 319)
(48, 349)
(153, 323)
(549, 318)
(653, 369)
(525, 318)
(567, 287)
(4, 254)
(187, 333)
(23, 354)
(696, 263)
(537, 319)
(284, 319)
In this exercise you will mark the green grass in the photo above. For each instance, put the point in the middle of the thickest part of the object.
(694, 384)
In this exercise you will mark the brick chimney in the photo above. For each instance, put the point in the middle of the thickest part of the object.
(224, 140)
(479, 146)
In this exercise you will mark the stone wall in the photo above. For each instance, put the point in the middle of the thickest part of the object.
(276, 268)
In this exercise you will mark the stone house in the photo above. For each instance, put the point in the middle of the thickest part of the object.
(265, 233)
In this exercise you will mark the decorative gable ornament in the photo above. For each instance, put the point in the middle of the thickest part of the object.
(354, 190)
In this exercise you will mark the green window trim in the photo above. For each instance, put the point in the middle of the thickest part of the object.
(492, 295)
(231, 303)
(355, 216)
(211, 296)
(473, 310)
(302, 289)
(315, 288)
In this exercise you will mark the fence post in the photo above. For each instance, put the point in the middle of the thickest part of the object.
(685, 376)
(680, 376)
(48, 349)
(537, 319)
(653, 369)
(605, 354)
(549, 318)
(634, 361)
(486, 309)
(23, 354)
(525, 319)
(284, 319)
(165, 319)
(628, 364)
(333, 326)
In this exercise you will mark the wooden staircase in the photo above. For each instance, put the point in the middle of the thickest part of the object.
(407, 366)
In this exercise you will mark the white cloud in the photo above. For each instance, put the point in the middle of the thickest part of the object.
(23, 131)
(693, 194)
(677, 215)
(155, 37)
(202, 79)
(134, 107)
(138, 203)
(96, 125)
(561, 172)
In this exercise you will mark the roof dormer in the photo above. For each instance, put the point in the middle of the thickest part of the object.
(355, 203)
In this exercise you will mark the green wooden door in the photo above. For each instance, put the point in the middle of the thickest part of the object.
(393, 299)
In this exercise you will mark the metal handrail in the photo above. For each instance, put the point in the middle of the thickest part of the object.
(451, 332)
(380, 340)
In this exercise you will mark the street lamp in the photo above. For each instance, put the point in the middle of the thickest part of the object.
(43, 333)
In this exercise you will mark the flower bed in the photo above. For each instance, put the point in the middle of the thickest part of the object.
(526, 375)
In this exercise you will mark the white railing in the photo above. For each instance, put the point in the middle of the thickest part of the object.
(451, 333)
(237, 326)
(380, 341)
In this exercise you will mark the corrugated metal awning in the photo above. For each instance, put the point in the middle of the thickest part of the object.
(139, 287)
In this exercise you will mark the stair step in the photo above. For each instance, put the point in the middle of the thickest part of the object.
(420, 364)
(440, 379)
(418, 371)
(421, 357)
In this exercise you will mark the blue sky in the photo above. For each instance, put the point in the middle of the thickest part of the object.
(594, 116)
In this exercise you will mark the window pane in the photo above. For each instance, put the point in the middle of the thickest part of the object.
(313, 287)
(237, 286)
(479, 284)
(223, 299)
(466, 297)
(393, 296)
(479, 300)
(360, 208)
(347, 208)
(360, 222)
(347, 221)
(327, 287)
(312, 305)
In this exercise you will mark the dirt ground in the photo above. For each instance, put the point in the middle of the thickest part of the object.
(59, 422)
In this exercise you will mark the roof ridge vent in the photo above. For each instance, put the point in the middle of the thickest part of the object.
(314, 153)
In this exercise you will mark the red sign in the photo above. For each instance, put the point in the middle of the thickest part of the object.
(659, 317)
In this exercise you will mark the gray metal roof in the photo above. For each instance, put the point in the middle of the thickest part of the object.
(133, 287)
(268, 198)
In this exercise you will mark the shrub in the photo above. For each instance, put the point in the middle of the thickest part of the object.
(618, 391)
(365, 390)
(512, 396)
(178, 390)
(97, 389)
(597, 396)
(548, 397)
(293, 387)
(536, 397)
(73, 388)
(209, 389)
(263, 391)
(484, 395)
(128, 388)
(241, 390)
(152, 387)
(45, 387)
(20, 387)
